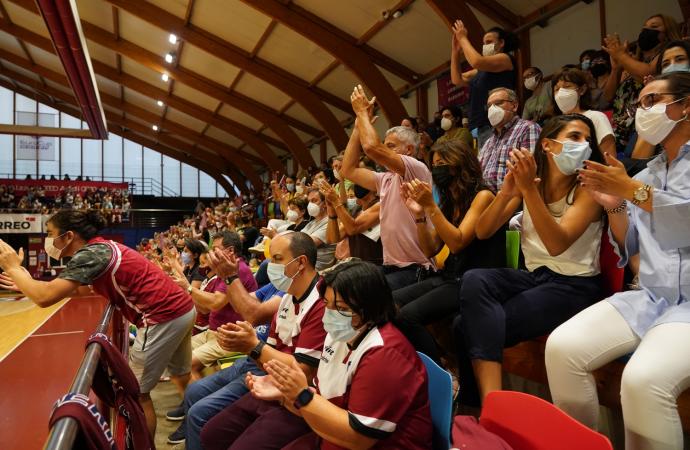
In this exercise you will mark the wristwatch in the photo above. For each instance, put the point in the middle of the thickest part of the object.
(230, 279)
(255, 354)
(304, 397)
(641, 194)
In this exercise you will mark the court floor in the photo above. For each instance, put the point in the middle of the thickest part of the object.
(40, 351)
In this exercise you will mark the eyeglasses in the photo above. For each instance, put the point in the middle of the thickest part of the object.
(647, 101)
(497, 103)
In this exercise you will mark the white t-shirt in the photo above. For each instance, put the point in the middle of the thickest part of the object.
(602, 126)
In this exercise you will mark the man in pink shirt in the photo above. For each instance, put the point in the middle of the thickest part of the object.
(403, 258)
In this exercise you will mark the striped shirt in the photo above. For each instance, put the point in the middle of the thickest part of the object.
(518, 133)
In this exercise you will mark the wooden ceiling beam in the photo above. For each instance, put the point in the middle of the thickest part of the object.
(494, 10)
(451, 10)
(241, 131)
(326, 36)
(205, 85)
(155, 62)
(171, 152)
(308, 98)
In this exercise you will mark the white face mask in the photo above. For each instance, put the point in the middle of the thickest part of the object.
(51, 249)
(446, 124)
(488, 49)
(313, 209)
(573, 155)
(531, 83)
(299, 189)
(566, 99)
(336, 174)
(292, 215)
(680, 67)
(290, 187)
(351, 203)
(276, 273)
(496, 115)
(653, 125)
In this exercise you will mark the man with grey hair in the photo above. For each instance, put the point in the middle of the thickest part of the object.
(509, 132)
(403, 258)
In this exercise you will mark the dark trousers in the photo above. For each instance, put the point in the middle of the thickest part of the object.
(502, 307)
(423, 303)
(399, 277)
(252, 424)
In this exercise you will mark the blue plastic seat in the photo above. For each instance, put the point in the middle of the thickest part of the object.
(440, 401)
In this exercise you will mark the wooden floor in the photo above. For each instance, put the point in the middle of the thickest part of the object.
(40, 365)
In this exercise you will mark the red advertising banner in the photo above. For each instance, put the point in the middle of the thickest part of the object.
(449, 94)
(53, 187)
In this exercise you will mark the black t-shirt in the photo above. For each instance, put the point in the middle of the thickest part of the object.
(193, 274)
(480, 86)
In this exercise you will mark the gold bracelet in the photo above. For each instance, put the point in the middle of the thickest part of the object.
(617, 210)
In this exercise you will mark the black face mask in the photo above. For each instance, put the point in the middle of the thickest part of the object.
(599, 69)
(441, 176)
(648, 39)
(360, 192)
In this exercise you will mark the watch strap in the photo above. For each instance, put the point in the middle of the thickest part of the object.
(230, 279)
(255, 354)
(304, 397)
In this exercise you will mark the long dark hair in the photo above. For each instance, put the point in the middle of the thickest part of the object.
(363, 288)
(678, 83)
(467, 181)
(511, 41)
(86, 224)
(551, 129)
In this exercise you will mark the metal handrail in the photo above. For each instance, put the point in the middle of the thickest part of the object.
(64, 431)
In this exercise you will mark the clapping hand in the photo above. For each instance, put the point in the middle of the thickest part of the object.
(223, 262)
(289, 379)
(421, 192)
(263, 387)
(524, 170)
(415, 208)
(331, 195)
(459, 31)
(608, 184)
(9, 259)
(360, 102)
(237, 337)
(614, 47)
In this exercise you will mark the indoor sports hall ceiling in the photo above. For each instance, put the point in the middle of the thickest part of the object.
(247, 82)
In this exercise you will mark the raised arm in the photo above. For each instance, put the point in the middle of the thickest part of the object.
(363, 177)
(493, 63)
(371, 144)
(618, 52)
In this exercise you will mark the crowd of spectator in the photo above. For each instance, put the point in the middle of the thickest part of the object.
(599, 152)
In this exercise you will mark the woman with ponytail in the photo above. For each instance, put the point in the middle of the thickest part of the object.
(146, 296)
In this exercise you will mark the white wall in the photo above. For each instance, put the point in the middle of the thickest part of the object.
(566, 36)
(626, 17)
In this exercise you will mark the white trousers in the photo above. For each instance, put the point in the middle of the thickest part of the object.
(657, 373)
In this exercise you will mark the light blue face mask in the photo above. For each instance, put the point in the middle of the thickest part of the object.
(586, 64)
(276, 273)
(680, 67)
(186, 259)
(573, 155)
(338, 326)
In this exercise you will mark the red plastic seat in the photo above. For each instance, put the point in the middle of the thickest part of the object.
(530, 423)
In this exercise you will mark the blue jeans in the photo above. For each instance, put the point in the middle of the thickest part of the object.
(208, 396)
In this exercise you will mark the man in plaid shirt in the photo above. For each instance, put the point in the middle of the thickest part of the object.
(510, 131)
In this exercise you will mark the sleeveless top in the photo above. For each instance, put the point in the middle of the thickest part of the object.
(580, 259)
(480, 86)
(140, 290)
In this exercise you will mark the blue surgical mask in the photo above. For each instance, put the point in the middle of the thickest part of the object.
(680, 67)
(186, 259)
(338, 326)
(276, 273)
(573, 155)
(586, 64)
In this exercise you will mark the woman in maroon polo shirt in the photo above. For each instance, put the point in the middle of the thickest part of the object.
(146, 296)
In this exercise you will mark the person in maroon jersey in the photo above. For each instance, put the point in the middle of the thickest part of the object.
(163, 312)
(370, 390)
